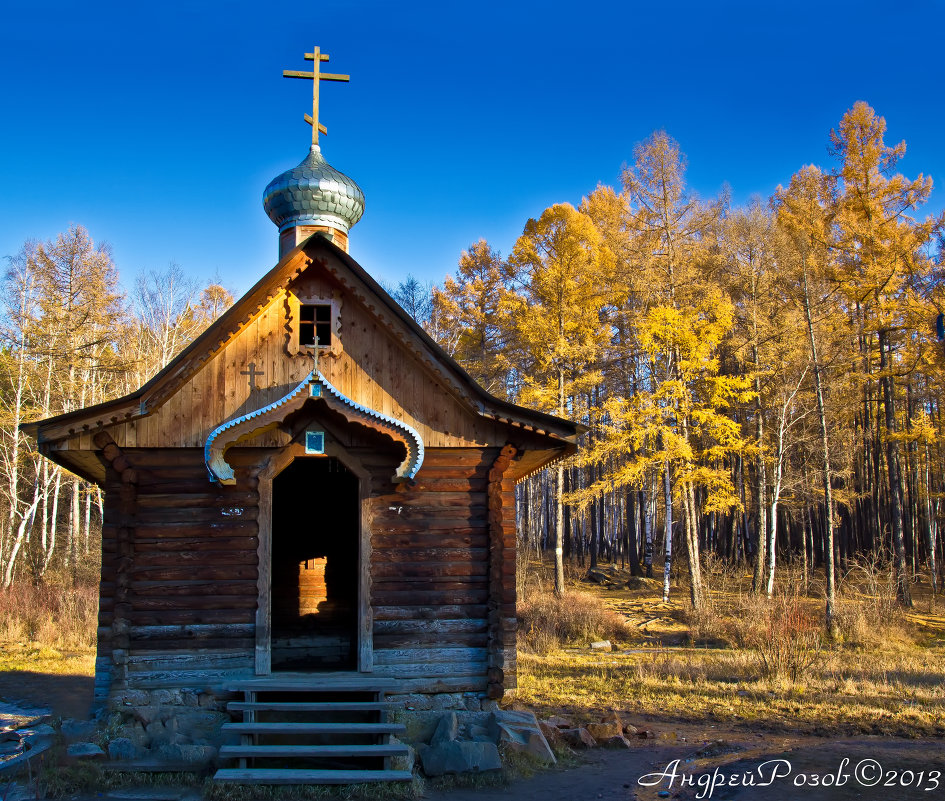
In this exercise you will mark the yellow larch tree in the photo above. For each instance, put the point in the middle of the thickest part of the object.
(557, 269)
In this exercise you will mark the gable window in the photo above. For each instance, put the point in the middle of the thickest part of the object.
(315, 325)
(313, 322)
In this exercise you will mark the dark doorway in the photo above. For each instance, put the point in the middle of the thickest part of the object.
(315, 533)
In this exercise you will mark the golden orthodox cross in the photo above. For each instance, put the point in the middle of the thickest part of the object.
(316, 76)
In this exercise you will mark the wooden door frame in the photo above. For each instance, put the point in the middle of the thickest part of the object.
(273, 467)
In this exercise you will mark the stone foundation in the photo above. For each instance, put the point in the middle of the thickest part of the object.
(174, 726)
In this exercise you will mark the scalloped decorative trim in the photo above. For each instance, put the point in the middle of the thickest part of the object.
(314, 385)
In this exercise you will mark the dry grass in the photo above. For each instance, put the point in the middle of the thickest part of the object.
(760, 663)
(48, 628)
(548, 622)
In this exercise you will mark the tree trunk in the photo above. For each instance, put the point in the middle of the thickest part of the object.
(903, 591)
(667, 529)
(830, 611)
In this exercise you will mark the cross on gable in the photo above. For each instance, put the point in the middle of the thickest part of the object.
(252, 372)
(316, 76)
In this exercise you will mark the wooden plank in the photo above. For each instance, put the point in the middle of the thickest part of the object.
(212, 680)
(406, 582)
(219, 542)
(430, 555)
(428, 657)
(227, 527)
(141, 603)
(152, 516)
(439, 569)
(216, 659)
(181, 458)
(432, 520)
(403, 537)
(168, 588)
(430, 482)
(419, 670)
(145, 558)
(449, 457)
(412, 626)
(313, 728)
(300, 776)
(428, 614)
(428, 598)
(143, 646)
(247, 751)
(203, 572)
(425, 639)
(189, 617)
(311, 706)
(196, 500)
(193, 631)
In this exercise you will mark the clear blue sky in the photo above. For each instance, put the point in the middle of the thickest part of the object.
(158, 125)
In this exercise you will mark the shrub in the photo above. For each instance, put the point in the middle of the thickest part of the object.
(49, 614)
(547, 621)
(785, 635)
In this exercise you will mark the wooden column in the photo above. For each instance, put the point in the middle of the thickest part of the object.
(124, 556)
(502, 615)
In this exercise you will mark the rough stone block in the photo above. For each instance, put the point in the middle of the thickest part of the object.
(447, 730)
(552, 733)
(459, 757)
(616, 742)
(197, 754)
(604, 731)
(197, 724)
(522, 732)
(210, 701)
(190, 698)
(157, 734)
(122, 748)
(135, 732)
(134, 698)
(578, 738)
(602, 645)
(448, 701)
(414, 701)
(85, 751)
(149, 714)
(405, 762)
(75, 730)
(167, 697)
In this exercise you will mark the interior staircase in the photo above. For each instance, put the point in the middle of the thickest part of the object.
(312, 729)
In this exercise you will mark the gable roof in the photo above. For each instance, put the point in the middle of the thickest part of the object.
(315, 249)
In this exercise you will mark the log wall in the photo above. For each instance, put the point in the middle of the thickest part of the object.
(430, 582)
(182, 593)
(179, 571)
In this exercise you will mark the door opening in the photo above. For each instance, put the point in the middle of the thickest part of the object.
(315, 566)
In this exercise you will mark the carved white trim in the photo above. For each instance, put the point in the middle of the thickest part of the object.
(271, 416)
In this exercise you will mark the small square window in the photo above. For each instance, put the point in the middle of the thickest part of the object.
(315, 324)
(314, 441)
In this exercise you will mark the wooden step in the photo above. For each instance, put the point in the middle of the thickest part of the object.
(315, 728)
(312, 683)
(246, 751)
(312, 706)
(300, 776)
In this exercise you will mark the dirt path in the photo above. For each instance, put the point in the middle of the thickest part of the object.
(781, 769)
(63, 696)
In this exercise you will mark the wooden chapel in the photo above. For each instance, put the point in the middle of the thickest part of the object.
(312, 490)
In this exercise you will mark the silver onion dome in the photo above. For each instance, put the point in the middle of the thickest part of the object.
(314, 193)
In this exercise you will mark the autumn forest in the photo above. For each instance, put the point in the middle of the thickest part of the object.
(760, 385)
